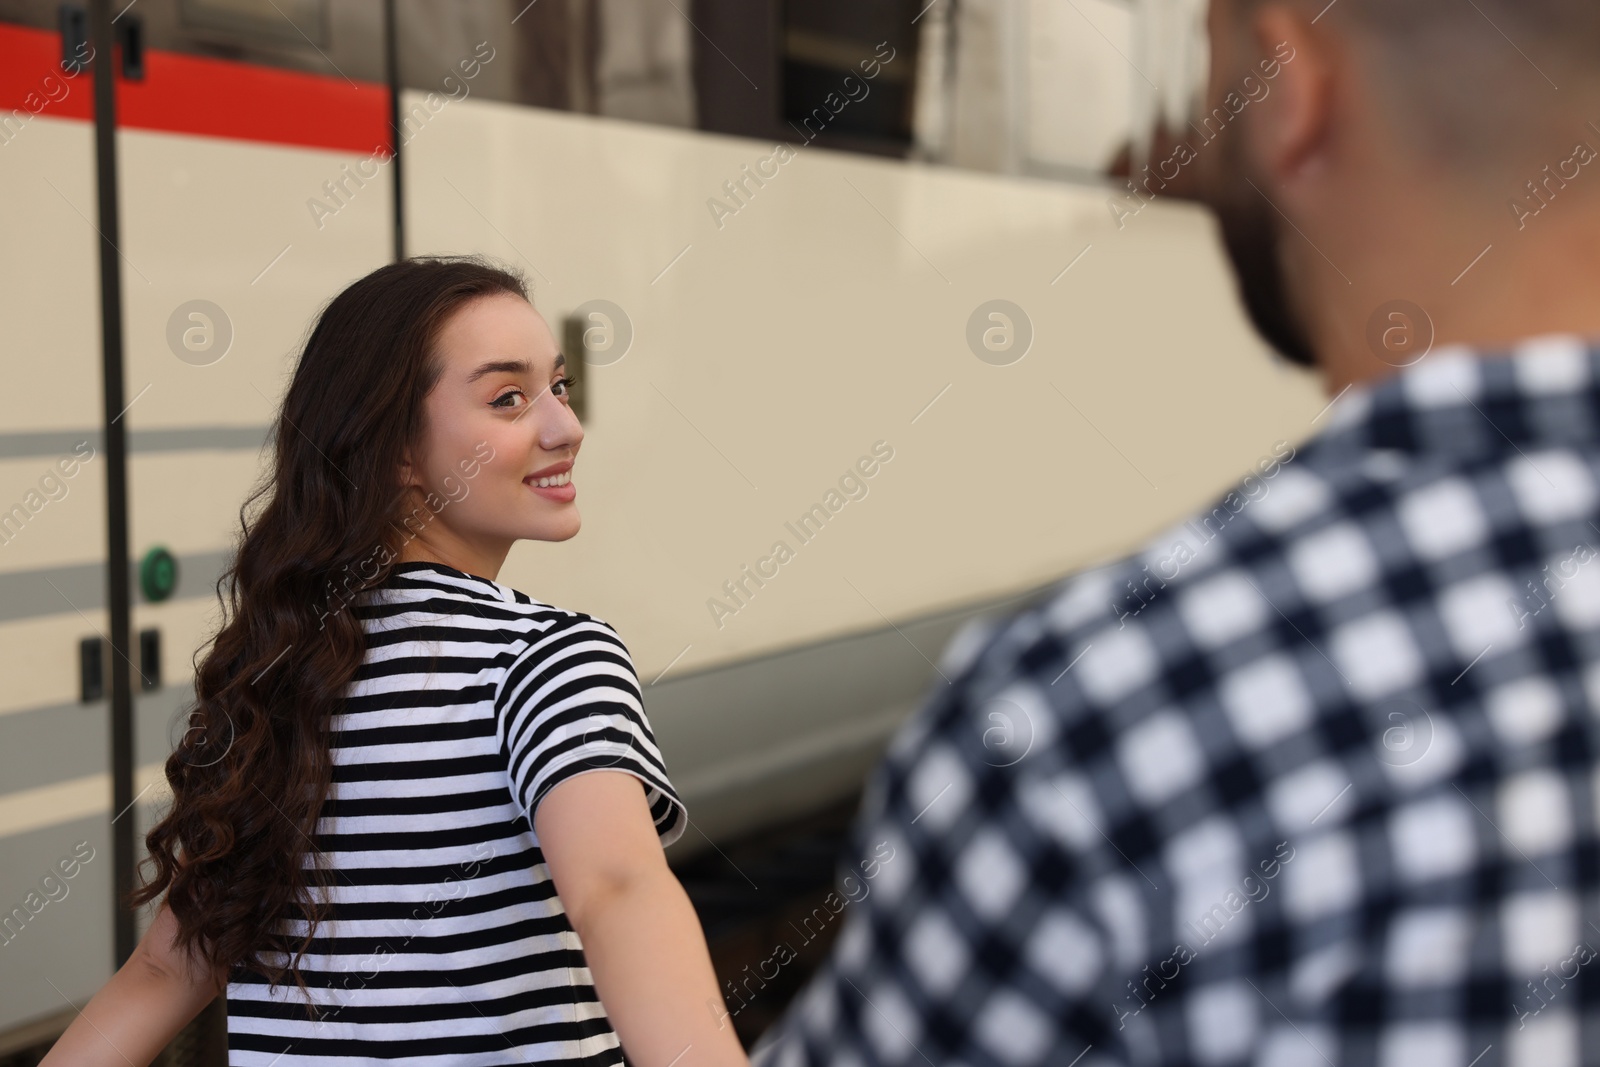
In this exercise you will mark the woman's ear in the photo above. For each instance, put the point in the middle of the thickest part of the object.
(407, 473)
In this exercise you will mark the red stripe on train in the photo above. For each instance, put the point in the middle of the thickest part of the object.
(192, 94)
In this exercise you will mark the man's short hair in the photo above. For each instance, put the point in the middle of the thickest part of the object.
(1472, 78)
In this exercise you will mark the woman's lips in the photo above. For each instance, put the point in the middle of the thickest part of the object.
(561, 494)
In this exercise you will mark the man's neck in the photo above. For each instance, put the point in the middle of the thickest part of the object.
(1522, 285)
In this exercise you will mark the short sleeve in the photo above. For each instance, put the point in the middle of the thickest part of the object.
(569, 703)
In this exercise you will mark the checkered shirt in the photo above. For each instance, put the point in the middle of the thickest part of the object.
(1309, 779)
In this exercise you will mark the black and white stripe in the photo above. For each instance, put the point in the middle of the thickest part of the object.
(448, 944)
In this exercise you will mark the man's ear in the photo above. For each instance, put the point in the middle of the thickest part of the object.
(1291, 126)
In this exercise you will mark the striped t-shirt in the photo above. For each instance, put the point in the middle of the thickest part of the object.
(447, 944)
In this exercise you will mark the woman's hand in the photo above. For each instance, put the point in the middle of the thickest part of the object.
(141, 1009)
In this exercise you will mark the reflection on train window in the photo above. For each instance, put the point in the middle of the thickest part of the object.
(1054, 89)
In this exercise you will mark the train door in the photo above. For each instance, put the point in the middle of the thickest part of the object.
(250, 190)
(252, 179)
(55, 854)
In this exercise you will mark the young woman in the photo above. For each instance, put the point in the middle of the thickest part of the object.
(389, 838)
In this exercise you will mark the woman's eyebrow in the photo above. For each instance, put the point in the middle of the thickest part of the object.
(511, 366)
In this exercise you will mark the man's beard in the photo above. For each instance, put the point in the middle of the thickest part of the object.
(1250, 234)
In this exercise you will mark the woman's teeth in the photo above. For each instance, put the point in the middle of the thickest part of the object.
(558, 479)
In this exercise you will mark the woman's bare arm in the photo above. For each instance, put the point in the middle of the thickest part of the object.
(142, 1008)
(640, 933)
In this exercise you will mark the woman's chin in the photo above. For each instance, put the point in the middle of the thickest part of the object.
(560, 528)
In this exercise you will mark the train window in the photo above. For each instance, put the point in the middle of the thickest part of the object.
(848, 72)
(341, 40)
(1067, 89)
(1050, 88)
(264, 20)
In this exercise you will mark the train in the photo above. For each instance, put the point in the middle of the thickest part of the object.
(844, 407)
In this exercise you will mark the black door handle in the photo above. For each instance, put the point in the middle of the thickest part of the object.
(127, 31)
(150, 659)
(74, 38)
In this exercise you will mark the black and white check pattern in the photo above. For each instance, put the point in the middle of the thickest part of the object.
(1324, 792)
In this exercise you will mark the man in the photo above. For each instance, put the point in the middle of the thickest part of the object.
(1310, 779)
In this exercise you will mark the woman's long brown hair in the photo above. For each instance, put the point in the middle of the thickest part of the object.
(237, 853)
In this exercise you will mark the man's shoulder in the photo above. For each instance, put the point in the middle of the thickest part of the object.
(1186, 606)
(1225, 539)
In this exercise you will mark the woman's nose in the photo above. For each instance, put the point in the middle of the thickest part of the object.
(564, 429)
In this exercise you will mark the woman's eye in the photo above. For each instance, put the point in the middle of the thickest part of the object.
(496, 403)
(564, 385)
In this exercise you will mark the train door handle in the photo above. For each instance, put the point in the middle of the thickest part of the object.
(127, 31)
(575, 347)
(92, 665)
(150, 659)
(129, 35)
(91, 669)
(74, 37)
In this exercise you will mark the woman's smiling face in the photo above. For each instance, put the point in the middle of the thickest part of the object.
(498, 423)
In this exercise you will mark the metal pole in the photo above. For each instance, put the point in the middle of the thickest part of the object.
(117, 570)
(391, 48)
